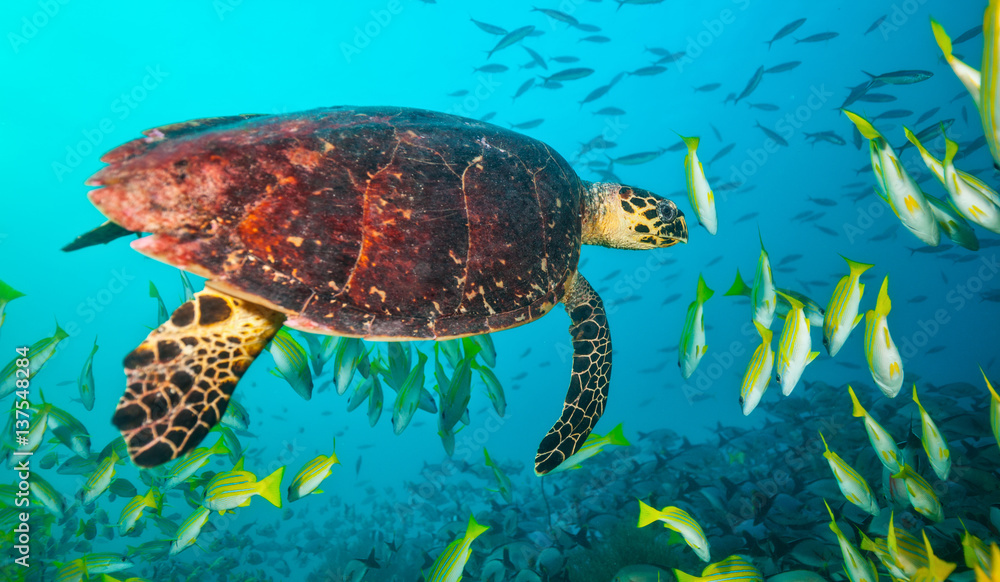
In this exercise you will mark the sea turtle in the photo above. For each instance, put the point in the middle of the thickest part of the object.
(385, 223)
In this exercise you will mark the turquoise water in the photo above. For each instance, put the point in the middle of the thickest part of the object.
(82, 79)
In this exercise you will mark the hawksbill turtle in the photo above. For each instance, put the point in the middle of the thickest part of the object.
(384, 223)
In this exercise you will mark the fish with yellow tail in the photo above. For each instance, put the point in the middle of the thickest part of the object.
(448, 567)
(594, 444)
(680, 521)
(763, 298)
(972, 197)
(883, 357)
(842, 315)
(920, 494)
(733, 569)
(312, 474)
(188, 531)
(934, 444)
(953, 224)
(814, 313)
(857, 567)
(133, 510)
(699, 192)
(692, 344)
(231, 489)
(758, 372)
(896, 186)
(880, 439)
(994, 407)
(795, 347)
(937, 570)
(852, 485)
(983, 84)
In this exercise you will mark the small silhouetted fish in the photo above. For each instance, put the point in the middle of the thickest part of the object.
(968, 34)
(648, 71)
(789, 259)
(818, 37)
(725, 150)
(857, 92)
(488, 116)
(771, 134)
(785, 31)
(570, 74)
(638, 158)
(905, 77)
(746, 217)
(526, 352)
(893, 114)
(671, 58)
(972, 147)
(545, 364)
(763, 106)
(707, 88)
(751, 84)
(490, 28)
(822, 201)
(826, 230)
(624, 300)
(660, 52)
(551, 85)
(960, 95)
(927, 115)
(671, 298)
(565, 59)
(492, 68)
(587, 27)
(715, 130)
(713, 261)
(918, 299)
(877, 23)
(611, 275)
(357, 465)
(847, 364)
(931, 250)
(677, 146)
(935, 350)
(557, 15)
(610, 111)
(596, 94)
(523, 88)
(520, 376)
(965, 115)
(461, 93)
(511, 38)
(783, 67)
(877, 98)
(537, 58)
(528, 124)
(598, 38)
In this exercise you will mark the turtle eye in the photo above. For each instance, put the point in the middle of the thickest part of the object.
(667, 210)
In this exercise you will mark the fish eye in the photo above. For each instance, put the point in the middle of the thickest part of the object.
(667, 210)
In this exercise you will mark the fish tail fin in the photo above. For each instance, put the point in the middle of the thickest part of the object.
(883, 306)
(647, 514)
(822, 438)
(795, 303)
(270, 487)
(938, 567)
(856, 268)
(864, 126)
(617, 437)
(942, 38)
(685, 577)
(950, 150)
(219, 447)
(913, 139)
(704, 293)
(988, 385)
(690, 142)
(474, 530)
(765, 334)
(917, 400)
(8, 293)
(858, 411)
(739, 287)
(489, 462)
(812, 355)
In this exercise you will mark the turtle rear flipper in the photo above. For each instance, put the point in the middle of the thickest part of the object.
(181, 376)
(588, 385)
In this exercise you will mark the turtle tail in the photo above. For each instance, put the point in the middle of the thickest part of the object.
(588, 386)
(179, 380)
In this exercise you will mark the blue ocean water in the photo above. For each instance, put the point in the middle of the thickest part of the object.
(81, 79)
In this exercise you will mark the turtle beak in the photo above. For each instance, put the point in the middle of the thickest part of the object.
(674, 231)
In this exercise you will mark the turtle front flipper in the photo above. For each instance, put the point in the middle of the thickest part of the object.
(180, 378)
(588, 386)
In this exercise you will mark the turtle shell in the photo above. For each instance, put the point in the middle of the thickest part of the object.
(376, 222)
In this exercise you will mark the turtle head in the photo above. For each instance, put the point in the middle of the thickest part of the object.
(624, 217)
